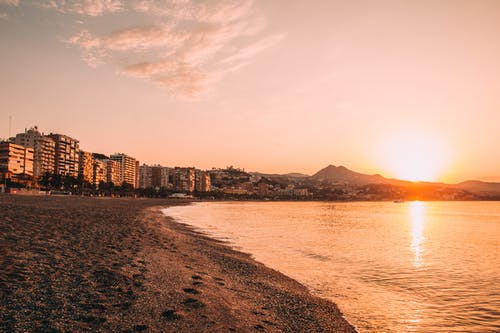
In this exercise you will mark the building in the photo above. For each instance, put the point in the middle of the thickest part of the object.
(155, 176)
(202, 181)
(184, 179)
(44, 150)
(160, 176)
(66, 155)
(100, 171)
(114, 172)
(237, 191)
(129, 168)
(294, 192)
(136, 185)
(263, 190)
(86, 166)
(145, 176)
(15, 160)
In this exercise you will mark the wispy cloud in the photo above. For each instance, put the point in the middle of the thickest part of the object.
(84, 7)
(190, 45)
(10, 2)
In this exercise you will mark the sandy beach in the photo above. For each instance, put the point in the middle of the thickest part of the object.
(95, 264)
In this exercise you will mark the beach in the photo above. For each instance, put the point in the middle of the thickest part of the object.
(100, 264)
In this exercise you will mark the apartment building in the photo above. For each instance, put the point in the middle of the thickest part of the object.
(155, 176)
(129, 168)
(99, 172)
(145, 176)
(184, 179)
(293, 192)
(15, 160)
(202, 181)
(159, 176)
(66, 155)
(114, 172)
(43, 147)
(86, 166)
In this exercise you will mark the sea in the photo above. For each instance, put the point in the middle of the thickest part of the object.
(390, 267)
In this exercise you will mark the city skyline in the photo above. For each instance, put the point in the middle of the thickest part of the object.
(110, 153)
(373, 86)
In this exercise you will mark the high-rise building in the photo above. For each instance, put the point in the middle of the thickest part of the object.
(129, 168)
(114, 172)
(44, 150)
(15, 160)
(155, 176)
(145, 176)
(165, 177)
(136, 185)
(86, 166)
(160, 176)
(66, 155)
(202, 181)
(100, 171)
(184, 179)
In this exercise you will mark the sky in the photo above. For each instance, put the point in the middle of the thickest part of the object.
(408, 89)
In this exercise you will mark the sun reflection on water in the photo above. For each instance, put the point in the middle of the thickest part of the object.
(417, 215)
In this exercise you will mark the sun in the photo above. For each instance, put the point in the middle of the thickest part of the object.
(414, 156)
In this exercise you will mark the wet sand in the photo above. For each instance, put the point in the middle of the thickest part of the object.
(95, 264)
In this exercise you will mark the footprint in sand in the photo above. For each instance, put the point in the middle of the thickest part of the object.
(219, 281)
(193, 303)
(191, 291)
(140, 328)
(170, 315)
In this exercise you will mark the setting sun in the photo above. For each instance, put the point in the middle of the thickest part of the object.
(414, 156)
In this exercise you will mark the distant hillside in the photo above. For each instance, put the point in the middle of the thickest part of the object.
(294, 175)
(479, 186)
(341, 174)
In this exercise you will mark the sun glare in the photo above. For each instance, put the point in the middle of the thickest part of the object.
(415, 157)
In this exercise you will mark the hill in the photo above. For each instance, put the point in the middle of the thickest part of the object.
(478, 186)
(341, 174)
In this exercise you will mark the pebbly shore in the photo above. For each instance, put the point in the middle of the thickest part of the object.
(119, 265)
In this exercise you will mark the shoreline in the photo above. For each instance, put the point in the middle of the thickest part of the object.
(122, 265)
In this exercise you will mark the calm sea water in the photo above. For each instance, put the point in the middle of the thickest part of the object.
(391, 267)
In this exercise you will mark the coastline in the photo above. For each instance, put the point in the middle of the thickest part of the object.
(122, 265)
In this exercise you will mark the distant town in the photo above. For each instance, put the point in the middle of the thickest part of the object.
(34, 162)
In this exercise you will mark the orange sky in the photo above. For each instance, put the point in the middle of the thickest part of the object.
(408, 89)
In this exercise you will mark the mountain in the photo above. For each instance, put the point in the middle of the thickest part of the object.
(478, 186)
(340, 174)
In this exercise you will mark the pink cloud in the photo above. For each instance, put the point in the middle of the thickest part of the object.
(86, 7)
(202, 42)
(10, 2)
